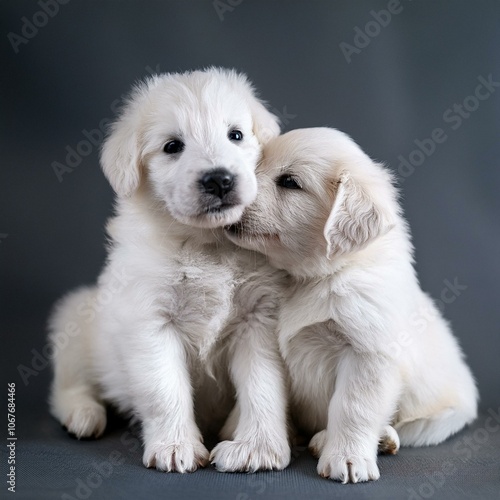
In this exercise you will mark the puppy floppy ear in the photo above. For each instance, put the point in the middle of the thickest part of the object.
(355, 219)
(265, 124)
(120, 153)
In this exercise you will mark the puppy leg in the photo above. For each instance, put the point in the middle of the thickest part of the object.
(229, 428)
(362, 404)
(74, 399)
(163, 401)
(260, 439)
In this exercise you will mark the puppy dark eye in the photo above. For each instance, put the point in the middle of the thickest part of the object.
(288, 182)
(235, 135)
(173, 147)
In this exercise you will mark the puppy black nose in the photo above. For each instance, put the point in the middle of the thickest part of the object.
(217, 182)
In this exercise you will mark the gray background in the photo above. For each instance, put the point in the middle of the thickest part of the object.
(396, 90)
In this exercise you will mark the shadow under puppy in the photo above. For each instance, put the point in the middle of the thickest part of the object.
(176, 300)
(364, 345)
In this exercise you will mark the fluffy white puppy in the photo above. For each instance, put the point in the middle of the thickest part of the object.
(176, 300)
(364, 345)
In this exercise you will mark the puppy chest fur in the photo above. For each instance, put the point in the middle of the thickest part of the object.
(197, 297)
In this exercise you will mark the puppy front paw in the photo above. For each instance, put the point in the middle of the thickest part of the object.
(248, 456)
(348, 468)
(176, 457)
(388, 443)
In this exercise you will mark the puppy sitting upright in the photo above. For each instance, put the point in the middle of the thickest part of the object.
(364, 345)
(181, 158)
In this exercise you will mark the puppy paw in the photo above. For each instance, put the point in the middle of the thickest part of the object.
(389, 441)
(317, 443)
(247, 456)
(86, 421)
(388, 444)
(348, 468)
(176, 457)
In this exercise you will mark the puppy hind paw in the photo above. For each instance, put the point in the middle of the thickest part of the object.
(86, 421)
(243, 456)
(317, 443)
(389, 441)
(175, 457)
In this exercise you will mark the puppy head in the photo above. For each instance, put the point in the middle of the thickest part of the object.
(319, 197)
(193, 140)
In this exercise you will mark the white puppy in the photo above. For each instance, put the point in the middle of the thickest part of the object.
(364, 345)
(176, 300)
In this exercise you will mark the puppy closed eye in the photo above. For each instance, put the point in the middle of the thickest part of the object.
(288, 182)
(173, 147)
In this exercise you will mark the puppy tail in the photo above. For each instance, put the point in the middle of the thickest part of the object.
(436, 428)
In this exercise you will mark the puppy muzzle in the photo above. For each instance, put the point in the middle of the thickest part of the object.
(218, 189)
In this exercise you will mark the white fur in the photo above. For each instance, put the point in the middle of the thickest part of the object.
(364, 345)
(179, 313)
